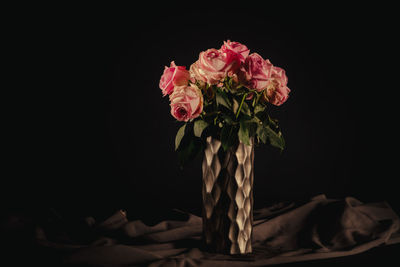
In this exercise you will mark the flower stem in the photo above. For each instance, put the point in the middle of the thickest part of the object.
(241, 104)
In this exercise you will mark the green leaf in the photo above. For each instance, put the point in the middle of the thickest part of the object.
(222, 99)
(246, 118)
(245, 109)
(235, 106)
(261, 133)
(254, 119)
(259, 108)
(227, 118)
(273, 123)
(199, 127)
(179, 136)
(228, 83)
(275, 138)
(252, 126)
(243, 133)
(228, 136)
(189, 149)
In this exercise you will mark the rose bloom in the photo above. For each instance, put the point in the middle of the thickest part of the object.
(240, 49)
(277, 91)
(173, 76)
(186, 102)
(213, 66)
(256, 72)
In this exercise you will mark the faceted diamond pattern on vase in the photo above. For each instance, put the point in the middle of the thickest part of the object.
(247, 206)
(247, 167)
(241, 219)
(240, 176)
(242, 241)
(208, 180)
(246, 187)
(233, 232)
(208, 235)
(216, 193)
(215, 165)
(234, 248)
(208, 155)
(248, 227)
(231, 190)
(228, 197)
(241, 153)
(240, 198)
(208, 204)
(211, 166)
(232, 213)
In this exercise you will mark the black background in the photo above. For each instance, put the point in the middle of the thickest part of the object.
(87, 131)
(98, 135)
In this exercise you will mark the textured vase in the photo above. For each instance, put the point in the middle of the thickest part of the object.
(228, 197)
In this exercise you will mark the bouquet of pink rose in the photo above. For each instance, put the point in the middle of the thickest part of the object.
(225, 94)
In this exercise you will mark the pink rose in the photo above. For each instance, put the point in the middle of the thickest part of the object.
(250, 96)
(213, 65)
(173, 76)
(240, 49)
(277, 91)
(186, 102)
(256, 72)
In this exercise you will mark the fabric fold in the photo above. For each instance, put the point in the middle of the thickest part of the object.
(286, 232)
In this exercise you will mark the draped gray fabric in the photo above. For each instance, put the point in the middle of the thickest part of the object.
(286, 232)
